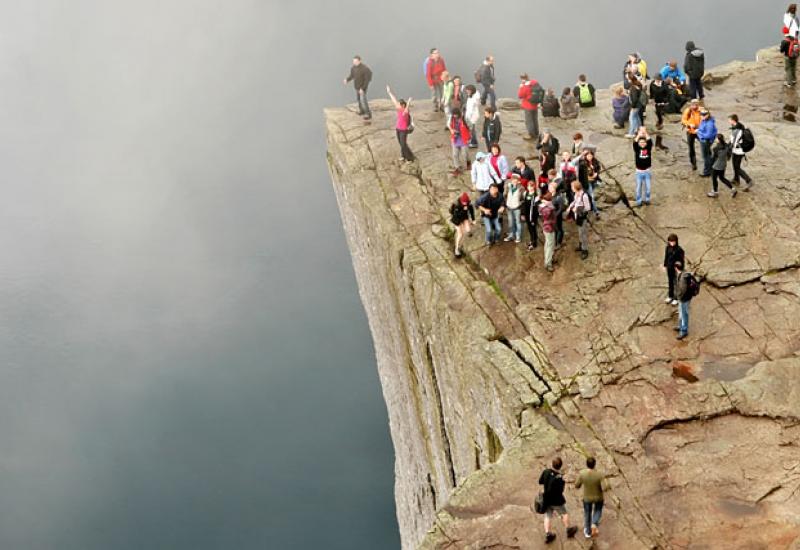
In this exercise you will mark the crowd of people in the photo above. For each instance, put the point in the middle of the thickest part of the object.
(565, 188)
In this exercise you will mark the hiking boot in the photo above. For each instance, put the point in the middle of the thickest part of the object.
(694, 166)
(630, 136)
(647, 203)
(733, 193)
(712, 194)
(571, 531)
(549, 537)
(681, 336)
(748, 185)
(584, 254)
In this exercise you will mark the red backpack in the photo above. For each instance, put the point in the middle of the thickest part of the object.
(793, 50)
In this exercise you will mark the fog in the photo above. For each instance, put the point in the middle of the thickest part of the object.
(184, 359)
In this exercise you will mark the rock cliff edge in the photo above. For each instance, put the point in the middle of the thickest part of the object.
(490, 365)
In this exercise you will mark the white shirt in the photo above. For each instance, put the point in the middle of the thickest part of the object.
(790, 22)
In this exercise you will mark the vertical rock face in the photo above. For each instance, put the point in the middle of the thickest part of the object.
(490, 366)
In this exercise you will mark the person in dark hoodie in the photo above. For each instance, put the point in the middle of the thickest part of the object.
(487, 81)
(361, 76)
(673, 253)
(492, 127)
(695, 67)
(719, 155)
(660, 94)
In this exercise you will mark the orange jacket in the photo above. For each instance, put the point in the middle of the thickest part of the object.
(692, 118)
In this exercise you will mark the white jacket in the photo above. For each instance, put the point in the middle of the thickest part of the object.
(790, 22)
(472, 112)
(483, 175)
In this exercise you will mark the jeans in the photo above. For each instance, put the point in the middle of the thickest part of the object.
(634, 122)
(592, 512)
(705, 150)
(458, 152)
(696, 88)
(515, 223)
(737, 169)
(590, 192)
(488, 94)
(719, 175)
(532, 122)
(363, 105)
(402, 138)
(643, 178)
(690, 141)
(549, 248)
(493, 229)
(660, 113)
(790, 67)
(437, 95)
(683, 318)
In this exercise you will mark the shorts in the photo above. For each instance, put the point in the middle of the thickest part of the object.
(561, 510)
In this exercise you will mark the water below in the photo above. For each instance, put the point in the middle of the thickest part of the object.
(184, 359)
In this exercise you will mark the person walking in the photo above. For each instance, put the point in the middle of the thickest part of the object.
(462, 216)
(584, 91)
(360, 75)
(459, 141)
(579, 210)
(694, 65)
(691, 120)
(738, 153)
(547, 213)
(492, 206)
(592, 482)
(531, 94)
(434, 68)
(643, 156)
(514, 198)
(472, 114)
(486, 73)
(790, 50)
(569, 105)
(719, 156)
(554, 502)
(483, 173)
(673, 254)
(404, 124)
(492, 127)
(685, 290)
(706, 133)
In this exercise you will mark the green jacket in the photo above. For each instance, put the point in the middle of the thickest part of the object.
(592, 483)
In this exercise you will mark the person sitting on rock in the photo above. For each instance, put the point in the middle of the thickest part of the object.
(584, 91)
(554, 502)
(569, 105)
(492, 206)
(577, 144)
(621, 105)
(462, 216)
(459, 140)
(483, 173)
(673, 253)
(671, 70)
(492, 127)
(676, 97)
(550, 105)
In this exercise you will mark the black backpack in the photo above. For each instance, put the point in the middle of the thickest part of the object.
(748, 142)
(537, 94)
(692, 285)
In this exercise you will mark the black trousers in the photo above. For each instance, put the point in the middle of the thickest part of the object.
(691, 139)
(671, 281)
(719, 175)
(660, 113)
(532, 230)
(559, 229)
(696, 88)
(738, 172)
(402, 138)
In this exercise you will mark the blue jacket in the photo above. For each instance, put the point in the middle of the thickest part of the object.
(677, 74)
(707, 130)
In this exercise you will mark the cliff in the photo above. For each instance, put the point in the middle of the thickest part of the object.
(490, 365)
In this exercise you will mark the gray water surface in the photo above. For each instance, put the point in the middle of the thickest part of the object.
(184, 359)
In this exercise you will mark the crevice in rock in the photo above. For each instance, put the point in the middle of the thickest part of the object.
(503, 340)
(433, 490)
(448, 454)
(494, 447)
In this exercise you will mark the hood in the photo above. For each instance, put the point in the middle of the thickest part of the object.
(690, 46)
(697, 52)
(480, 156)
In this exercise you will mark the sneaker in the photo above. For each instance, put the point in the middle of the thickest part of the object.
(629, 136)
(571, 531)
(458, 254)
(674, 302)
(549, 537)
(517, 240)
(509, 239)
(667, 300)
(638, 205)
(530, 246)
(549, 268)
(681, 336)
(527, 137)
(733, 193)
(712, 194)
(647, 203)
(586, 534)
(748, 185)
(488, 243)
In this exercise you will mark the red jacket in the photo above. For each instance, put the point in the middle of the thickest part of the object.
(525, 93)
(465, 136)
(435, 70)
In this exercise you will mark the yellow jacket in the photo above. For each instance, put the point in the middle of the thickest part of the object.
(691, 120)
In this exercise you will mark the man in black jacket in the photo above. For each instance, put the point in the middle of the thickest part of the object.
(492, 127)
(487, 81)
(672, 254)
(695, 67)
(554, 502)
(659, 92)
(361, 76)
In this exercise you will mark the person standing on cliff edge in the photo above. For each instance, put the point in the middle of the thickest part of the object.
(361, 76)
(695, 67)
(434, 67)
(404, 125)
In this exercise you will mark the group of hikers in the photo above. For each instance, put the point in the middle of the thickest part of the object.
(567, 181)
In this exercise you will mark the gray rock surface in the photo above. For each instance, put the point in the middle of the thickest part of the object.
(490, 365)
